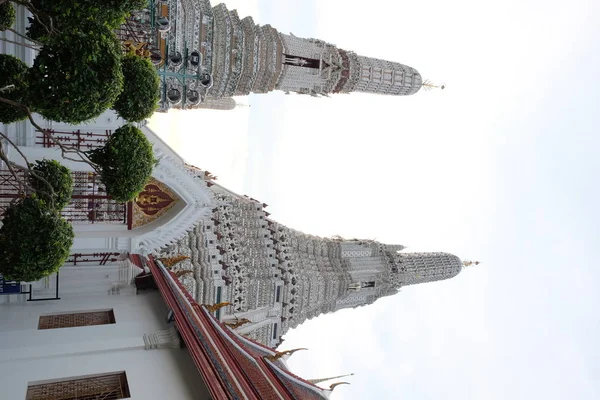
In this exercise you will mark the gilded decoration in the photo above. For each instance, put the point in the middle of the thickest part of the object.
(152, 203)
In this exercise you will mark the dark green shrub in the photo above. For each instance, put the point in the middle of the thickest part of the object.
(125, 163)
(76, 76)
(140, 94)
(7, 15)
(69, 14)
(13, 72)
(34, 241)
(58, 176)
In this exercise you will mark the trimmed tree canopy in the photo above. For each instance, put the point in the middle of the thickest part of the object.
(59, 177)
(34, 241)
(7, 15)
(76, 76)
(14, 72)
(125, 163)
(140, 93)
(69, 14)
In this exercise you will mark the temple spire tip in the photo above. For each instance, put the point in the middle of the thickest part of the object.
(428, 85)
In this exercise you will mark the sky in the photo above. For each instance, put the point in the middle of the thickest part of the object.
(499, 167)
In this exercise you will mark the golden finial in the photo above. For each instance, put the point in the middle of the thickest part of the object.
(428, 85)
(468, 263)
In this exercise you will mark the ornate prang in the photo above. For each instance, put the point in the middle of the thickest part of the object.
(213, 54)
(278, 277)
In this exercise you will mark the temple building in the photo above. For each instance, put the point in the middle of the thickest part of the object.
(203, 53)
(191, 279)
(199, 244)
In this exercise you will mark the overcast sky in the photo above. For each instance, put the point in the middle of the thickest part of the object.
(500, 167)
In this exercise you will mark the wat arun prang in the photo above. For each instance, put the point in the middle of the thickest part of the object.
(205, 55)
(275, 277)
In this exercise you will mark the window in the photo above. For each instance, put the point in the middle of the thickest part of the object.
(112, 386)
(76, 319)
(210, 242)
(278, 294)
(274, 331)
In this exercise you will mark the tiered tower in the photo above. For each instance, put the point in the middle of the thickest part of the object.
(276, 277)
(203, 52)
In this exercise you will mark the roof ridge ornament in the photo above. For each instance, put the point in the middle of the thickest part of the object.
(315, 381)
(280, 354)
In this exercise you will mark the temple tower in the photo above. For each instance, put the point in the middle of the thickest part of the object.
(203, 52)
(275, 277)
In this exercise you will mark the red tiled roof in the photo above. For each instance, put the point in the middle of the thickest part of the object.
(233, 367)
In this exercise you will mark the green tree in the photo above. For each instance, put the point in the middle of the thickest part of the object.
(66, 15)
(125, 163)
(140, 93)
(60, 179)
(34, 241)
(76, 76)
(14, 72)
(7, 16)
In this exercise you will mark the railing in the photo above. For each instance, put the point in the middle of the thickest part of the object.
(9, 188)
(100, 258)
(89, 203)
(77, 139)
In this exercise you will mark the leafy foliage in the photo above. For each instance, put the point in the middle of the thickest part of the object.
(7, 15)
(140, 93)
(76, 76)
(69, 14)
(14, 72)
(34, 241)
(59, 177)
(125, 163)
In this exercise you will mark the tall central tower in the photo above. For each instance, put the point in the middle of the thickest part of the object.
(204, 53)
(275, 277)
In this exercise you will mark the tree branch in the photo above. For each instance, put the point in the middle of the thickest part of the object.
(65, 150)
(36, 13)
(23, 183)
(19, 43)
(25, 37)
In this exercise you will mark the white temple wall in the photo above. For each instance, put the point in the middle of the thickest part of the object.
(28, 354)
